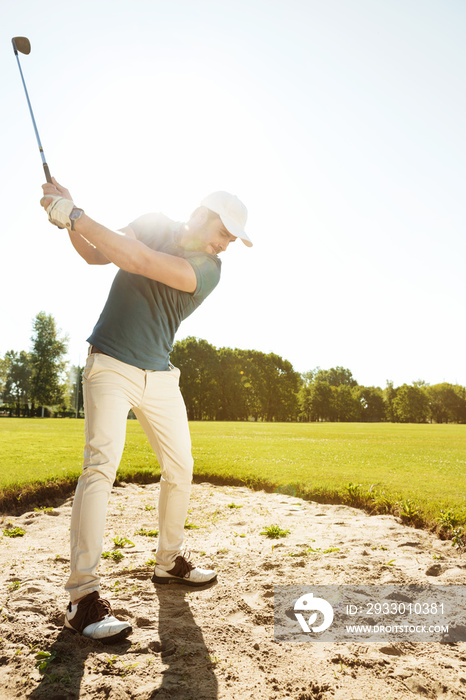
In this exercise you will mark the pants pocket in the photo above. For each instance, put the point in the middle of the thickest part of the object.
(175, 371)
(89, 367)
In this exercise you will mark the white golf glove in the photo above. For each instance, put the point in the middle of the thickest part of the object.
(59, 211)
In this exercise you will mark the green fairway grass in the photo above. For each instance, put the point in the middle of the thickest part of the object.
(416, 471)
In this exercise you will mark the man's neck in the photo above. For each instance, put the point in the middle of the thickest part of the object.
(187, 238)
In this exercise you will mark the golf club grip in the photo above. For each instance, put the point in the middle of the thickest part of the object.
(47, 173)
(49, 179)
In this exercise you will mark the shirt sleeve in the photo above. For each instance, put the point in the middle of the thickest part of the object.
(207, 269)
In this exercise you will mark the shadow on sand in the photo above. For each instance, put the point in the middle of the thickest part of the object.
(190, 664)
(185, 668)
(63, 669)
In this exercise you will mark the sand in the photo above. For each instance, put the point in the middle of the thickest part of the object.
(219, 642)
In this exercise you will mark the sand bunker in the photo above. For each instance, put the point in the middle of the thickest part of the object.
(218, 643)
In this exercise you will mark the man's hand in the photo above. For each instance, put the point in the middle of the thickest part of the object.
(59, 211)
(58, 203)
(53, 189)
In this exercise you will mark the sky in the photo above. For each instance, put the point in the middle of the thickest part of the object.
(340, 125)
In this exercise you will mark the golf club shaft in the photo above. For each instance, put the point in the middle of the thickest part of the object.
(42, 155)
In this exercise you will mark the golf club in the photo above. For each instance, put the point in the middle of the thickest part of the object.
(23, 45)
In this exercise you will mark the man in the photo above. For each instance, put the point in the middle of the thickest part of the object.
(166, 270)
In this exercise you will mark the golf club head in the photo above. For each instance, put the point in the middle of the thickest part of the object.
(21, 44)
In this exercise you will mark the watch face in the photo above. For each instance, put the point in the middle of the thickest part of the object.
(75, 214)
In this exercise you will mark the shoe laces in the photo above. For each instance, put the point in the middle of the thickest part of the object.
(95, 608)
(183, 565)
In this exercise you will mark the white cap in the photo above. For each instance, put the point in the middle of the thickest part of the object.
(232, 212)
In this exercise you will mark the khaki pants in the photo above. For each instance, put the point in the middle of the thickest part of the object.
(111, 388)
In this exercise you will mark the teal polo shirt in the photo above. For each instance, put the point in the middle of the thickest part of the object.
(141, 316)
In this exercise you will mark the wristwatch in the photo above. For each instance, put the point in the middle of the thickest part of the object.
(75, 215)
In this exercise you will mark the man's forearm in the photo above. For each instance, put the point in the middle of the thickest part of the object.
(133, 256)
(86, 250)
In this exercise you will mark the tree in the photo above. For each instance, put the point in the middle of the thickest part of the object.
(371, 403)
(344, 405)
(389, 396)
(308, 376)
(198, 362)
(411, 404)
(228, 384)
(3, 373)
(272, 386)
(288, 383)
(320, 401)
(336, 376)
(304, 401)
(233, 387)
(446, 404)
(17, 379)
(47, 363)
(460, 412)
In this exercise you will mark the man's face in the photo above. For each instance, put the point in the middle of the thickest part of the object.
(217, 237)
(208, 234)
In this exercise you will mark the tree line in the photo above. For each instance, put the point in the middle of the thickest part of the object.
(227, 384)
(334, 395)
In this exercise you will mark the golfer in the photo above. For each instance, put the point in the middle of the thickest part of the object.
(167, 269)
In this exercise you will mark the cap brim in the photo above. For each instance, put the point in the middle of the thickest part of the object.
(236, 230)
